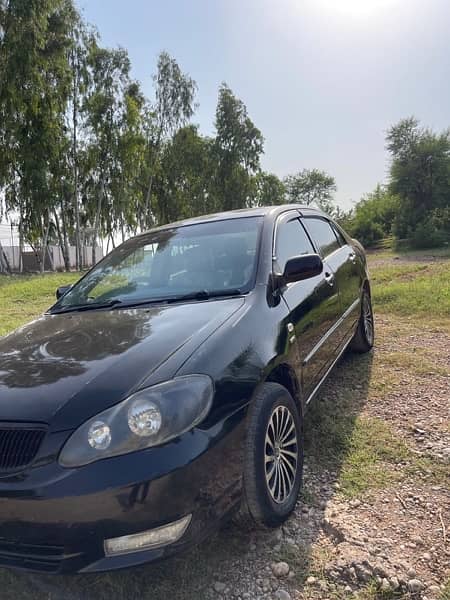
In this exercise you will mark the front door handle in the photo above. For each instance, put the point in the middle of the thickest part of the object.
(352, 257)
(329, 277)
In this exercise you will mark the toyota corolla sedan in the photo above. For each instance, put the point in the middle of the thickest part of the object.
(166, 389)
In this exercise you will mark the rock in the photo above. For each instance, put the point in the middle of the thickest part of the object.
(282, 595)
(385, 586)
(311, 580)
(219, 587)
(415, 586)
(394, 582)
(411, 573)
(434, 589)
(280, 569)
(355, 503)
(426, 556)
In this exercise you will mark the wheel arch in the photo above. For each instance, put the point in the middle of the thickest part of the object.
(284, 375)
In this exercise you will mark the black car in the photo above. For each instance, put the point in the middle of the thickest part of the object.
(166, 389)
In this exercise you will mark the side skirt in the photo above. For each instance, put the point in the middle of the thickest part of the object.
(316, 389)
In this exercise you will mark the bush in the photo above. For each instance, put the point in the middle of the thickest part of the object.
(434, 231)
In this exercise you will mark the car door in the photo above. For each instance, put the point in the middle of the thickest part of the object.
(350, 280)
(313, 303)
(338, 262)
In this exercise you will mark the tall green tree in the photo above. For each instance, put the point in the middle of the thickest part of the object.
(184, 182)
(173, 107)
(419, 173)
(104, 107)
(238, 147)
(34, 85)
(311, 186)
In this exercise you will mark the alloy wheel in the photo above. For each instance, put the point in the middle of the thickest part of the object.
(368, 319)
(281, 454)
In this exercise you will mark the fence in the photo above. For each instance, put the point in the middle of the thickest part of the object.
(11, 258)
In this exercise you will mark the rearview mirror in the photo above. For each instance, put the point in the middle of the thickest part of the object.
(302, 267)
(62, 290)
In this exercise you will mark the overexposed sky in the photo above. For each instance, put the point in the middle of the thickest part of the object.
(322, 79)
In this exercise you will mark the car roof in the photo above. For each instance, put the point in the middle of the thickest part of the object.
(259, 211)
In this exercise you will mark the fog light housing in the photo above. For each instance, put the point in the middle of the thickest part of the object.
(146, 540)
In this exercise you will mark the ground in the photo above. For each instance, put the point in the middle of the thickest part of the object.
(374, 517)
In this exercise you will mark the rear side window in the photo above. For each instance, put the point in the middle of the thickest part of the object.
(291, 240)
(322, 234)
(339, 235)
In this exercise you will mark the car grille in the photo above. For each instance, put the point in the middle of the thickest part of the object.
(31, 556)
(19, 445)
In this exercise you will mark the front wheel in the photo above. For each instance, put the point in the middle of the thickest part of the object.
(273, 466)
(364, 335)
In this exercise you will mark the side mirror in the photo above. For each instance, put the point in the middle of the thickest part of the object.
(62, 290)
(302, 267)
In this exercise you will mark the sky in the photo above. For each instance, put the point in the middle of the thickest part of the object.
(322, 79)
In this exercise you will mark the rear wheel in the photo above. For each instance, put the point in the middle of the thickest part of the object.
(364, 336)
(273, 456)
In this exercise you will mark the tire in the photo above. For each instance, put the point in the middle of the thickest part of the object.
(265, 500)
(364, 335)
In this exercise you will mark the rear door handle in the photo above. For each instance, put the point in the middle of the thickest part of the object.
(352, 257)
(329, 277)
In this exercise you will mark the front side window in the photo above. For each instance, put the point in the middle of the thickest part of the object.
(323, 235)
(291, 240)
(207, 257)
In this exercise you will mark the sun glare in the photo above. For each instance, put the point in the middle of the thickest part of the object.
(354, 8)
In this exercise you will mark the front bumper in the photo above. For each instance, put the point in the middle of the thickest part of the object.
(55, 520)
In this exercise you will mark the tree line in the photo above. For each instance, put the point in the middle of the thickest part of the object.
(86, 156)
(414, 205)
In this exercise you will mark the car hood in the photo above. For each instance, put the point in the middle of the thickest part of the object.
(63, 369)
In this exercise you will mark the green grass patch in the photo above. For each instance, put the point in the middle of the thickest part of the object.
(445, 594)
(24, 297)
(364, 450)
(412, 289)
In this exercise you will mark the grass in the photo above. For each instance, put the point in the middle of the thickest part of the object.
(412, 289)
(23, 298)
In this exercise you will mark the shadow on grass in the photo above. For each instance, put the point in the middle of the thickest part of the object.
(330, 427)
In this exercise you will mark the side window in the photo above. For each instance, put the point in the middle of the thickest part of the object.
(291, 240)
(322, 234)
(341, 239)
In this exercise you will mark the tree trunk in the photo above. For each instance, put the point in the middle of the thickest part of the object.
(45, 242)
(61, 236)
(97, 219)
(76, 205)
(20, 241)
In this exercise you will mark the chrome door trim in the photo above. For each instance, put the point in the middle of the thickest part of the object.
(332, 329)
(341, 352)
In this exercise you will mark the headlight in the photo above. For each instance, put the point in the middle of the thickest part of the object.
(147, 418)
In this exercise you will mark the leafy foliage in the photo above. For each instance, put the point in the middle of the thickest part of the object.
(311, 187)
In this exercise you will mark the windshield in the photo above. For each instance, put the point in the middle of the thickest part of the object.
(207, 258)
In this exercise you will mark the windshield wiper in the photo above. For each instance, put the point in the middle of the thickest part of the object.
(205, 295)
(198, 295)
(84, 307)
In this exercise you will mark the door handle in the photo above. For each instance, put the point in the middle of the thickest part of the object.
(329, 278)
(352, 257)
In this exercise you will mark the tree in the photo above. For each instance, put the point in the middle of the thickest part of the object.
(185, 176)
(269, 190)
(174, 106)
(372, 217)
(419, 173)
(238, 147)
(311, 186)
(104, 106)
(34, 83)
